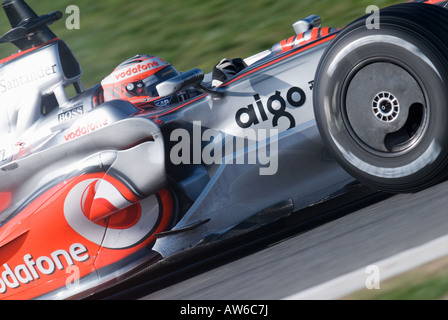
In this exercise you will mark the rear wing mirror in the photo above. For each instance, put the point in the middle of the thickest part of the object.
(185, 80)
(192, 78)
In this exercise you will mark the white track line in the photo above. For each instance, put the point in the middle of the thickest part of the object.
(392, 266)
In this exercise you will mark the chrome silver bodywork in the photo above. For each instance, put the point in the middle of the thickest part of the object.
(305, 174)
(264, 113)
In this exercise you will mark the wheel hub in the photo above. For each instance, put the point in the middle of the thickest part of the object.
(385, 106)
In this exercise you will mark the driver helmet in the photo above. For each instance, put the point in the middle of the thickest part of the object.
(135, 80)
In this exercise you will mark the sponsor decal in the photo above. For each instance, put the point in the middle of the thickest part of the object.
(163, 102)
(27, 78)
(71, 114)
(21, 150)
(34, 268)
(124, 235)
(148, 65)
(82, 130)
(275, 105)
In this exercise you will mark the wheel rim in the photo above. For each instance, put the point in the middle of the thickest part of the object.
(384, 107)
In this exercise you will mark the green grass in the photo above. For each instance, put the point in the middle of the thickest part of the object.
(188, 33)
(427, 282)
(431, 288)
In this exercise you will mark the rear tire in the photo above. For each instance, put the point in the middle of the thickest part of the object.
(381, 98)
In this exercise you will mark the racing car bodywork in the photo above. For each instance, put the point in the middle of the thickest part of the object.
(91, 190)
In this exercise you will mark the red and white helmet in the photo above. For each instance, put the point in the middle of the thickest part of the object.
(135, 80)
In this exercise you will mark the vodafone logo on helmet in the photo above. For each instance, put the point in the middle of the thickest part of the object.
(146, 67)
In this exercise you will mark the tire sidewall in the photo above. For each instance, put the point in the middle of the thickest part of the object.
(417, 166)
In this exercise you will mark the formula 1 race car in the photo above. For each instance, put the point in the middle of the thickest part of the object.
(153, 162)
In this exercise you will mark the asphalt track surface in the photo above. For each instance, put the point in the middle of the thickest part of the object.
(286, 263)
